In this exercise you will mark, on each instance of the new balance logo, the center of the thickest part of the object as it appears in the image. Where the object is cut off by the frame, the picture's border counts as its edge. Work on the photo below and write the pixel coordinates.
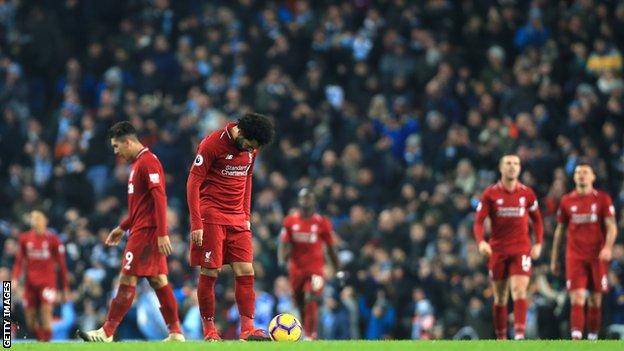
(207, 258)
(229, 157)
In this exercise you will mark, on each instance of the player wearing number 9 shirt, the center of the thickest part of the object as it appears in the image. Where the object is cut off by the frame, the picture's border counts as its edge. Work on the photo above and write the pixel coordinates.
(589, 217)
(218, 193)
(148, 240)
(509, 204)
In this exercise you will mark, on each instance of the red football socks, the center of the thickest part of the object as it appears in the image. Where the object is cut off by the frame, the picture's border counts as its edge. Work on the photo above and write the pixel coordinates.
(310, 318)
(520, 315)
(500, 321)
(594, 317)
(245, 299)
(43, 334)
(119, 307)
(577, 321)
(169, 308)
(206, 301)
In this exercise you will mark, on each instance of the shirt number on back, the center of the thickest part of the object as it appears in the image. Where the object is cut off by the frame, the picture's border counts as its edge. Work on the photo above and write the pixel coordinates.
(526, 263)
(129, 257)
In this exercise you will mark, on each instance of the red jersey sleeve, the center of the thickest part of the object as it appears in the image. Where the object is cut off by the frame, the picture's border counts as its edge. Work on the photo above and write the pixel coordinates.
(328, 232)
(18, 265)
(608, 210)
(248, 186)
(536, 217)
(206, 154)
(482, 212)
(59, 258)
(152, 175)
(562, 215)
(285, 234)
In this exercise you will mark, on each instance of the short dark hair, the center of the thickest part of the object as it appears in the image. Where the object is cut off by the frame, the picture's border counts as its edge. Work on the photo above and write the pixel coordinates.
(254, 126)
(121, 130)
(584, 163)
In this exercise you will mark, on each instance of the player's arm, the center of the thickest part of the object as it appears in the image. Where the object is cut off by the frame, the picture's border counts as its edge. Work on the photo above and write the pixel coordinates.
(156, 187)
(197, 175)
(611, 226)
(560, 231)
(538, 228)
(59, 257)
(284, 247)
(18, 265)
(483, 210)
(247, 198)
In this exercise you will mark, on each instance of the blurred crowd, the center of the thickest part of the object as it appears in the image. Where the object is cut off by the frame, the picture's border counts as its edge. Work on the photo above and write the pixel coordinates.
(394, 112)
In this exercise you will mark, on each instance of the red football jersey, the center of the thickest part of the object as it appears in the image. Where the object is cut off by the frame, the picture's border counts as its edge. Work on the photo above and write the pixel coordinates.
(39, 253)
(147, 200)
(307, 235)
(224, 175)
(584, 216)
(509, 213)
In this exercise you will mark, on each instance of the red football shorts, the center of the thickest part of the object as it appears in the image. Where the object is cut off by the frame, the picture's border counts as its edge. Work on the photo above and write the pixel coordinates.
(303, 283)
(587, 274)
(36, 295)
(222, 244)
(141, 257)
(503, 266)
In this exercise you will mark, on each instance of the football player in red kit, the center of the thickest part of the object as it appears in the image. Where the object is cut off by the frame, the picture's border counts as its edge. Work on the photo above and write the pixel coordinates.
(219, 200)
(589, 217)
(39, 253)
(148, 240)
(301, 243)
(509, 204)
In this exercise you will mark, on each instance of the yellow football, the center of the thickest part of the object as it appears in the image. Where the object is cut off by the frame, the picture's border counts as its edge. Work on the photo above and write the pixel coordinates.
(285, 327)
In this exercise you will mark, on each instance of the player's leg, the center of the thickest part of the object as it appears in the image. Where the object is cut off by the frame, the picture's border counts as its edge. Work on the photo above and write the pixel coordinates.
(500, 287)
(121, 303)
(519, 267)
(238, 253)
(31, 304)
(599, 285)
(46, 306)
(297, 282)
(168, 305)
(519, 285)
(576, 283)
(45, 321)
(209, 257)
(313, 291)
(594, 315)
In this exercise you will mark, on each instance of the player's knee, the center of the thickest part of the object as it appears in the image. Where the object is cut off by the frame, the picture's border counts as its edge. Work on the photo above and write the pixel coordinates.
(595, 300)
(158, 281)
(127, 279)
(577, 297)
(242, 268)
(211, 272)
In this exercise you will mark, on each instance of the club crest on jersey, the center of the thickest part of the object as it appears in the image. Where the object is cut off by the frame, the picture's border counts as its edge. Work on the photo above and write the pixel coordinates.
(522, 201)
(199, 160)
(574, 208)
(314, 228)
(593, 208)
(499, 201)
(207, 257)
(229, 157)
(296, 227)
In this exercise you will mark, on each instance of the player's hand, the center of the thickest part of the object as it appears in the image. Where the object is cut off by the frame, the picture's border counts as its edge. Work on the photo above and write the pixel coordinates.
(164, 245)
(197, 236)
(485, 249)
(114, 237)
(605, 254)
(554, 267)
(536, 251)
(65, 295)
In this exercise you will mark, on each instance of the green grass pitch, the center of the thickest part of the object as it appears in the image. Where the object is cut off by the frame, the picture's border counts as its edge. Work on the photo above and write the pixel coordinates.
(537, 345)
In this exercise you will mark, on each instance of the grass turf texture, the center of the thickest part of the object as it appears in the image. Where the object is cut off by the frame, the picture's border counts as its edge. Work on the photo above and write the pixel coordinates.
(554, 345)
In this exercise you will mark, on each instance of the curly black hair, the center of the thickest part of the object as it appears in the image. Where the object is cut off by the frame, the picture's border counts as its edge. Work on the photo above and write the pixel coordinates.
(254, 126)
(121, 130)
